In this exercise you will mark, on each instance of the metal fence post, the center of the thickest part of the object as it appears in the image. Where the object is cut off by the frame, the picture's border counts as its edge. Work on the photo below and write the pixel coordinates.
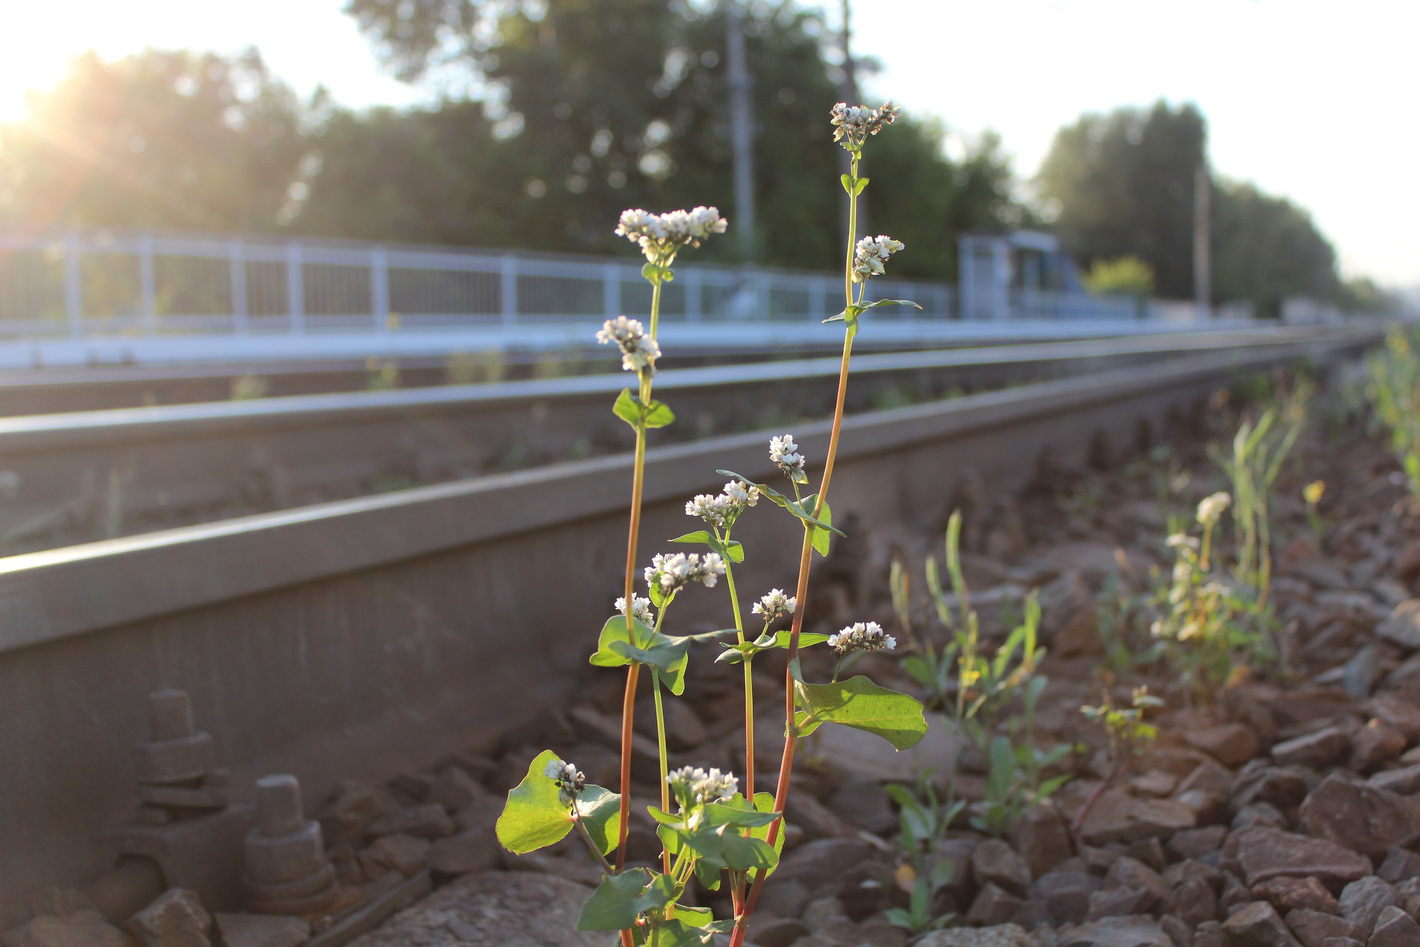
(611, 290)
(380, 288)
(295, 288)
(145, 282)
(509, 287)
(73, 287)
(694, 281)
(237, 264)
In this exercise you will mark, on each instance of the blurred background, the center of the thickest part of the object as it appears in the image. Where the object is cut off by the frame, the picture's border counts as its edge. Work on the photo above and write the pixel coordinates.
(1279, 129)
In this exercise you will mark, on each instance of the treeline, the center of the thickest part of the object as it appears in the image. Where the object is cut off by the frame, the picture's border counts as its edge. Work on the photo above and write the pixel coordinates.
(586, 107)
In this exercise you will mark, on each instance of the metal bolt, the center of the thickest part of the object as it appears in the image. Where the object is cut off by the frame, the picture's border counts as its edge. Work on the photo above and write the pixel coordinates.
(169, 715)
(278, 805)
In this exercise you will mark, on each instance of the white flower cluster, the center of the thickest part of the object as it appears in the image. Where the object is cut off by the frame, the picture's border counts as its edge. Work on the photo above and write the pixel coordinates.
(678, 569)
(695, 787)
(640, 608)
(862, 636)
(775, 603)
(1181, 541)
(871, 254)
(660, 235)
(721, 509)
(638, 350)
(1210, 509)
(569, 780)
(854, 123)
(784, 452)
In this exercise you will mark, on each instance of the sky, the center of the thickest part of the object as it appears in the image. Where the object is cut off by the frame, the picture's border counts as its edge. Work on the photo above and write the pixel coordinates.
(1314, 100)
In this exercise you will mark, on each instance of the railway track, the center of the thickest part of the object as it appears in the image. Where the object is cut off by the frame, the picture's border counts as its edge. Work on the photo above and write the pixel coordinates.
(85, 476)
(369, 636)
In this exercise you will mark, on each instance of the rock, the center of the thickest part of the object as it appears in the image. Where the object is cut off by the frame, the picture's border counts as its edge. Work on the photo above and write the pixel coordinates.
(492, 909)
(1319, 750)
(1374, 744)
(473, 850)
(1403, 781)
(1119, 817)
(816, 819)
(1209, 776)
(262, 930)
(993, 905)
(1193, 843)
(1192, 899)
(402, 853)
(1395, 928)
(1399, 865)
(956, 852)
(1133, 931)
(1281, 786)
(993, 862)
(61, 901)
(1001, 935)
(1130, 874)
(456, 790)
(1179, 932)
(768, 930)
(1313, 927)
(79, 929)
(1286, 893)
(1397, 712)
(1358, 675)
(1208, 934)
(1403, 625)
(1259, 815)
(1257, 925)
(861, 802)
(1042, 838)
(784, 898)
(1208, 808)
(1066, 893)
(1363, 901)
(1150, 851)
(1231, 744)
(864, 754)
(1156, 782)
(821, 912)
(1264, 853)
(1359, 816)
(824, 861)
(356, 804)
(176, 918)
(428, 821)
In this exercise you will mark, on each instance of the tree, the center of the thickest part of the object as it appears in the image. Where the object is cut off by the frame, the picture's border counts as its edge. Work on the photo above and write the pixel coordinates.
(1124, 186)
(159, 139)
(1266, 249)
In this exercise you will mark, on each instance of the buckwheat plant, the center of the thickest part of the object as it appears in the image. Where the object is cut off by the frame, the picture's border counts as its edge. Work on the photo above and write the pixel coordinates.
(714, 827)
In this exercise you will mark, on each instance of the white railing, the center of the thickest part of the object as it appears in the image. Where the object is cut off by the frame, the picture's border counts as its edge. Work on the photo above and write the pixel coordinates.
(100, 283)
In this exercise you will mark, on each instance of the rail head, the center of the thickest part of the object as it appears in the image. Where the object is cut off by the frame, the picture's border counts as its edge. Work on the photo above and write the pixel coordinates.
(59, 593)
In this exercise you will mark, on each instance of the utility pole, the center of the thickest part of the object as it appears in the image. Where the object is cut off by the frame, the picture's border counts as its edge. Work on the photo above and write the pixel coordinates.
(849, 92)
(1202, 280)
(741, 134)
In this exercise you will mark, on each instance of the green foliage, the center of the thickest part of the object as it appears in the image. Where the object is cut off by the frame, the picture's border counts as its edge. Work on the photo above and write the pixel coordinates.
(923, 824)
(1393, 391)
(629, 408)
(535, 817)
(1129, 735)
(863, 705)
(1125, 276)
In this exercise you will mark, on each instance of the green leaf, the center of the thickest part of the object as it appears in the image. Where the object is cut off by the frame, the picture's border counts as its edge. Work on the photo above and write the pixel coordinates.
(600, 812)
(793, 506)
(764, 802)
(825, 516)
(890, 302)
(863, 705)
(737, 811)
(744, 854)
(627, 408)
(858, 188)
(534, 817)
(694, 917)
(677, 933)
(735, 653)
(731, 550)
(615, 631)
(658, 414)
(847, 183)
(620, 899)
